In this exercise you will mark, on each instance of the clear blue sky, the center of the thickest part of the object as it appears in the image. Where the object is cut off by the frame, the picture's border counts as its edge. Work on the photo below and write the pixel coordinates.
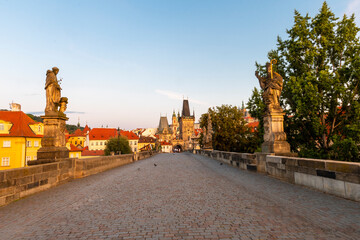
(123, 63)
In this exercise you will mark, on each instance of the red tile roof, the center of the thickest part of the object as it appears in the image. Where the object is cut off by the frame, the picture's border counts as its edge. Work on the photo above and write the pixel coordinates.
(198, 131)
(73, 148)
(86, 129)
(129, 135)
(253, 126)
(92, 153)
(78, 133)
(102, 133)
(21, 124)
(144, 139)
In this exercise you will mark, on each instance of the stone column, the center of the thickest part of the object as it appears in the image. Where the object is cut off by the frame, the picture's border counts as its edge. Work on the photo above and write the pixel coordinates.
(53, 144)
(274, 135)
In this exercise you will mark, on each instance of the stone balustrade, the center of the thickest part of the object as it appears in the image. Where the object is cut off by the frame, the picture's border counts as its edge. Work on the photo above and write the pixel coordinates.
(20, 182)
(333, 177)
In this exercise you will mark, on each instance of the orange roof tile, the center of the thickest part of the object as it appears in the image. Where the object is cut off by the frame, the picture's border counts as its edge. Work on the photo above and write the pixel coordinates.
(86, 129)
(78, 133)
(102, 133)
(129, 135)
(253, 126)
(21, 124)
(73, 148)
(197, 131)
(92, 153)
(144, 139)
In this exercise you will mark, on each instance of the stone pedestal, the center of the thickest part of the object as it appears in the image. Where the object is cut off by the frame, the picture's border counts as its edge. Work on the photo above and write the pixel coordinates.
(53, 144)
(274, 135)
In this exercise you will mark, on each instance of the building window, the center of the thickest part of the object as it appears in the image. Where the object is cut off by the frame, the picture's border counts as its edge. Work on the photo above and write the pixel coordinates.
(80, 142)
(5, 161)
(28, 143)
(36, 143)
(7, 144)
(135, 143)
(96, 143)
(28, 158)
(135, 149)
(77, 155)
(101, 143)
(75, 143)
(35, 157)
(39, 129)
(1, 127)
(92, 144)
(71, 155)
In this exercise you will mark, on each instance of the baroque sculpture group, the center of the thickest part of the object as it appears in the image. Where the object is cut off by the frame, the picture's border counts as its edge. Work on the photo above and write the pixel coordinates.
(53, 144)
(274, 135)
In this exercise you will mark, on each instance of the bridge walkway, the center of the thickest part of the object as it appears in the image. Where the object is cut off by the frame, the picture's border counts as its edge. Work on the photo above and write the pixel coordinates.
(184, 196)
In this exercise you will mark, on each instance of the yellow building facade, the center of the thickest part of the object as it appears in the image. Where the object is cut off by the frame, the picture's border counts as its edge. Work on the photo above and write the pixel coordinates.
(20, 139)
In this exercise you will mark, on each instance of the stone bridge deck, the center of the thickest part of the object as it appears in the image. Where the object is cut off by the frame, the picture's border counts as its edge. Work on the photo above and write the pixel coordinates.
(184, 197)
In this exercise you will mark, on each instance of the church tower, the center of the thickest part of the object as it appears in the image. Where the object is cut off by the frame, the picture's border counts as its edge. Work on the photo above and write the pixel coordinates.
(175, 125)
(186, 124)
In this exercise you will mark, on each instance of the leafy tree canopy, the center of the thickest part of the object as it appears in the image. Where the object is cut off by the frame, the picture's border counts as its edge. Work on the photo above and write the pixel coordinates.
(116, 145)
(230, 130)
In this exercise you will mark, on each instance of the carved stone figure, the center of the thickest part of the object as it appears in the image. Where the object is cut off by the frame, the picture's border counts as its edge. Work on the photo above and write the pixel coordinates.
(272, 86)
(53, 92)
(274, 135)
(53, 143)
(63, 105)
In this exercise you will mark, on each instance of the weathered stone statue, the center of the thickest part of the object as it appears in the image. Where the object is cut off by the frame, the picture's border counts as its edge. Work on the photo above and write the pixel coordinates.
(272, 86)
(53, 92)
(274, 135)
(208, 131)
(53, 144)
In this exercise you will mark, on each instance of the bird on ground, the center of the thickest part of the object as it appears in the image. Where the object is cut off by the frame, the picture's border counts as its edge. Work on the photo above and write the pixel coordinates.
(155, 164)
(221, 163)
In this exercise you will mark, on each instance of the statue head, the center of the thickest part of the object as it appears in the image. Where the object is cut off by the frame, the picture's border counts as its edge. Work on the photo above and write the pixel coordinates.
(268, 68)
(55, 70)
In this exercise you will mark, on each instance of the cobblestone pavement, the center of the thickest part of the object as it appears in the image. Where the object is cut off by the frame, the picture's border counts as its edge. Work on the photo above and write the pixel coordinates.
(184, 197)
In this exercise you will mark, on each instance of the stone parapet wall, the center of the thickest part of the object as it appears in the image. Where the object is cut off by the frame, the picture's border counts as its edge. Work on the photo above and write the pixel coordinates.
(241, 160)
(20, 182)
(334, 177)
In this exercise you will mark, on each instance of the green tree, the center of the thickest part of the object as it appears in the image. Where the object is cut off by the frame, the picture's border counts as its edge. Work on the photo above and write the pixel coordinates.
(320, 64)
(35, 118)
(116, 145)
(230, 130)
(256, 108)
